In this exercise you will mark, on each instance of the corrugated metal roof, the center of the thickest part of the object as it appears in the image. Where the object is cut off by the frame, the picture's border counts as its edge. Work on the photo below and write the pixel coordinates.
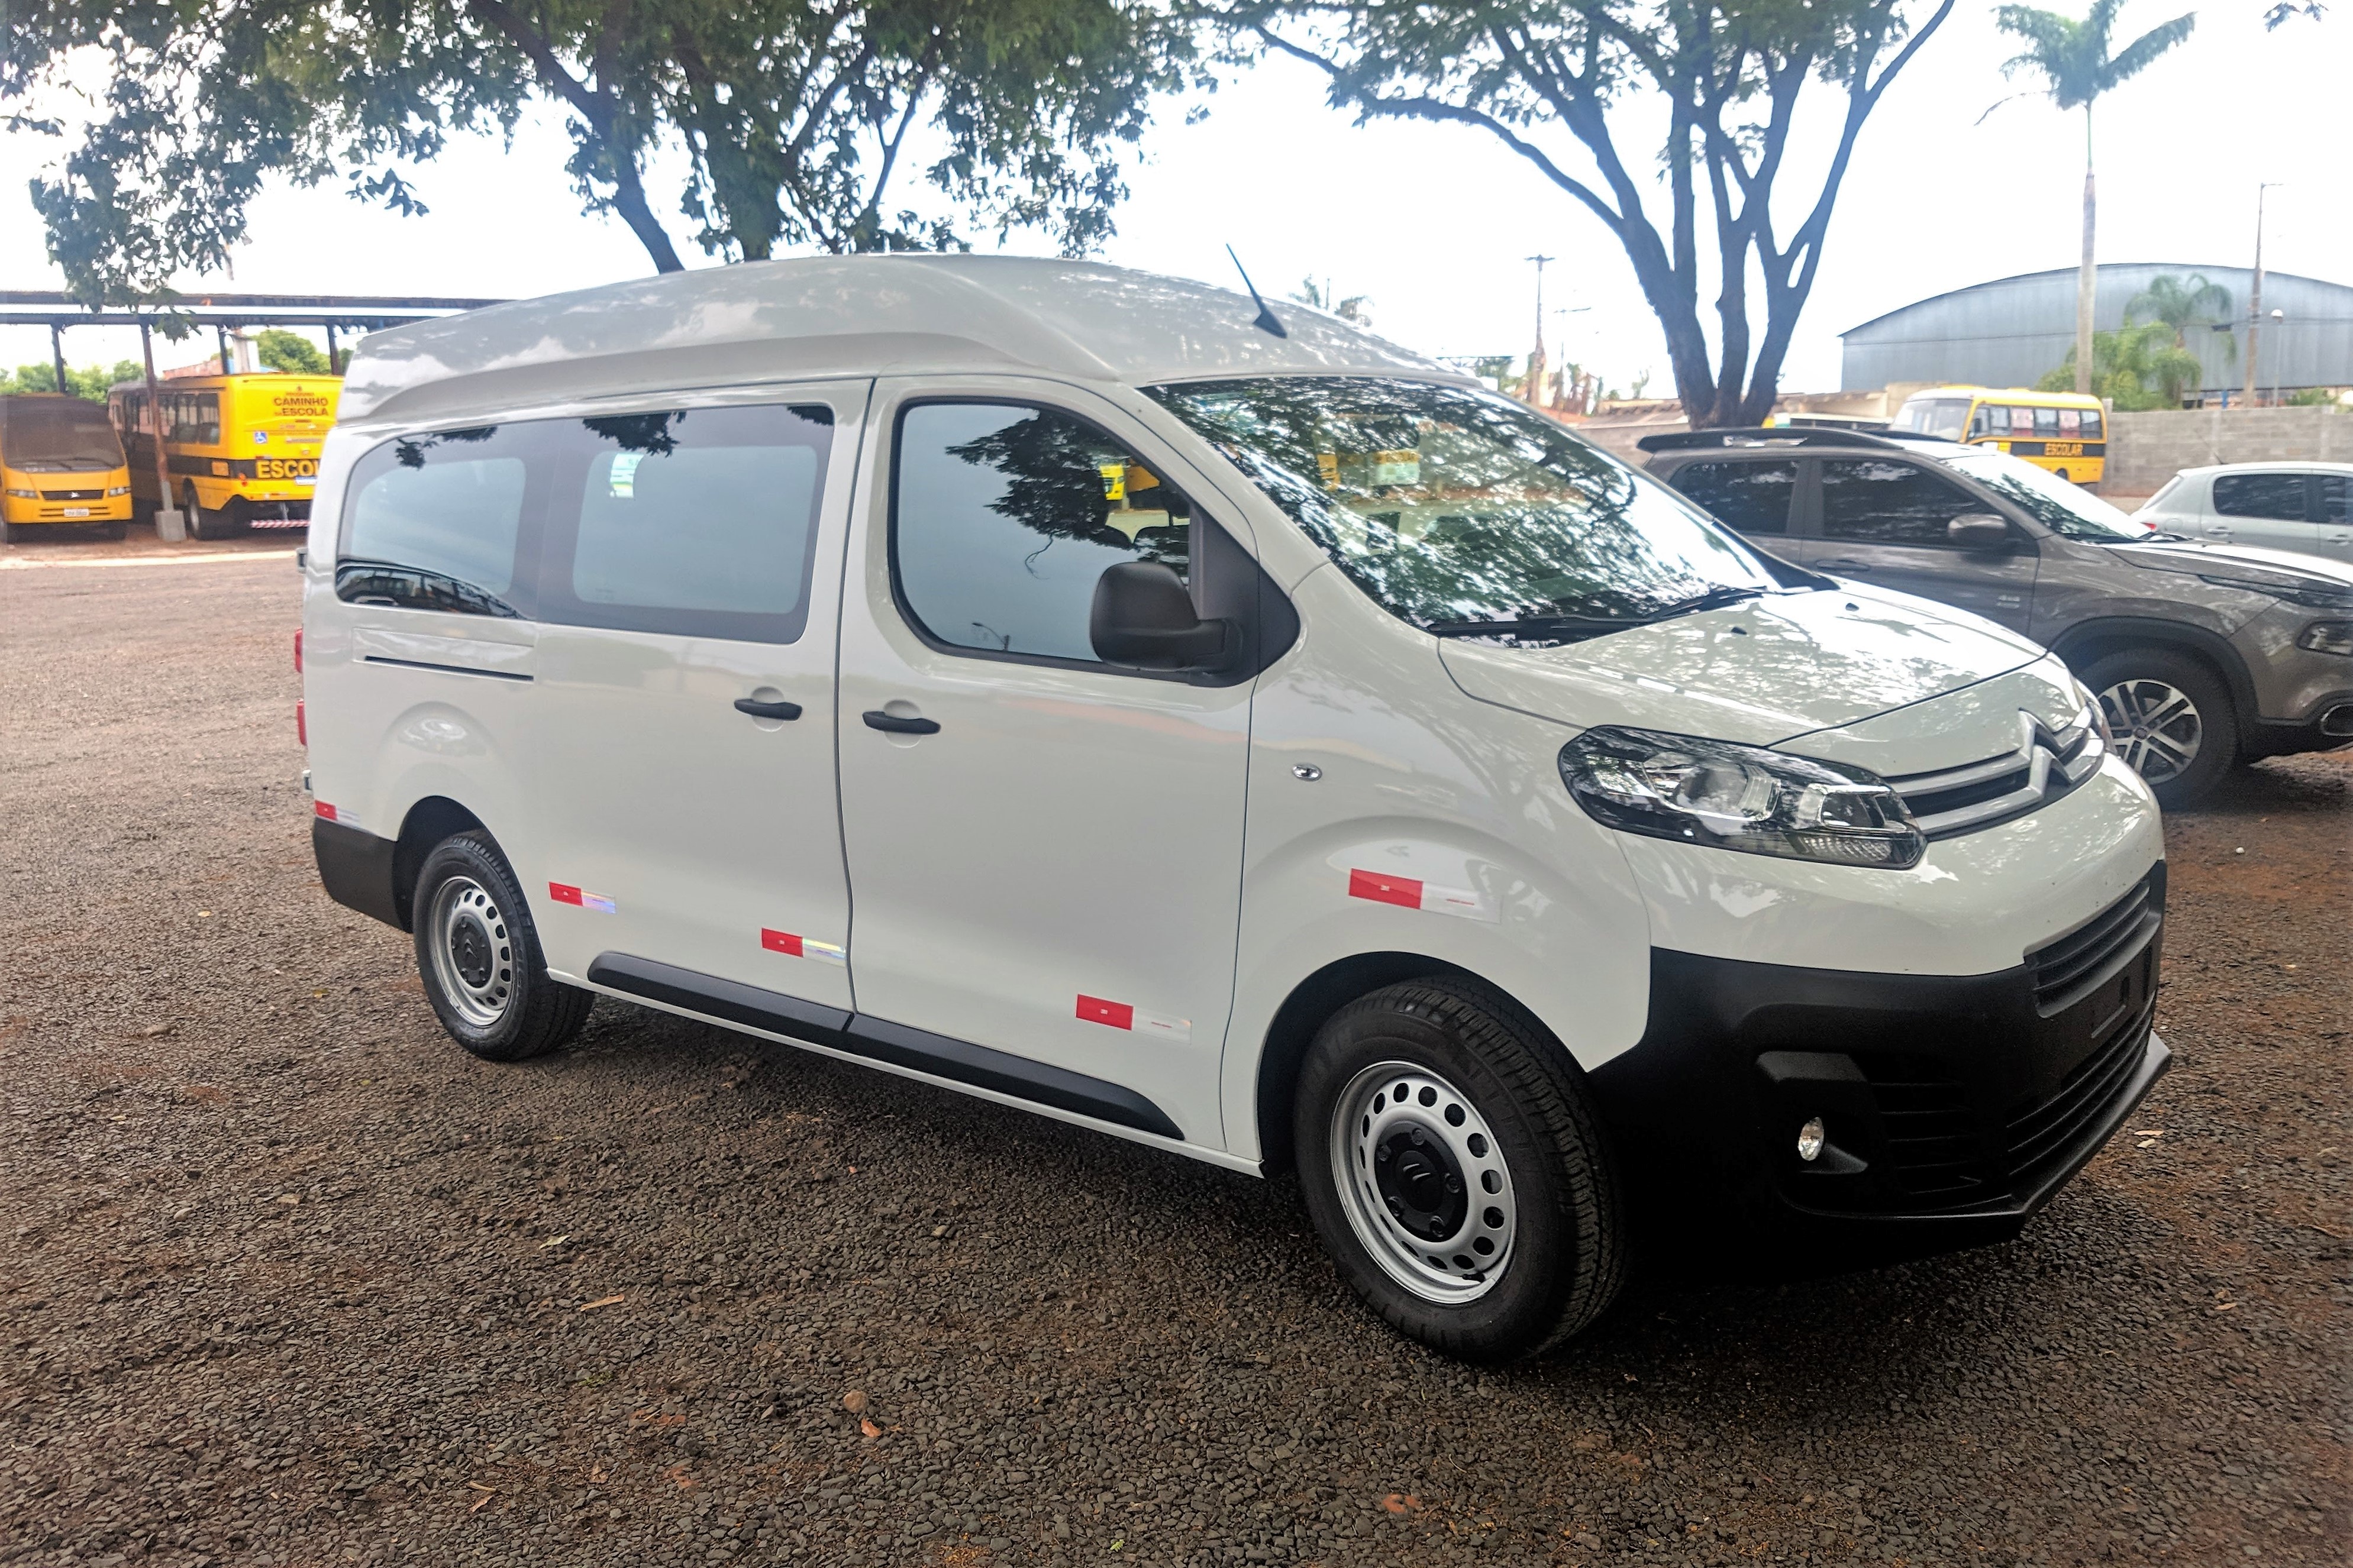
(2009, 332)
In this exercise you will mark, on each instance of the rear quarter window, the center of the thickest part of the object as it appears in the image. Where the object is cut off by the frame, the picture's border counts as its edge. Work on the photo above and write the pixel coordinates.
(435, 522)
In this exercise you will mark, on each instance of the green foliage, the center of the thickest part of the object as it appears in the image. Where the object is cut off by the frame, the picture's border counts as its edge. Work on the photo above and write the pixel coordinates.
(1353, 309)
(2072, 58)
(2312, 397)
(1562, 85)
(2138, 366)
(90, 381)
(792, 114)
(282, 350)
(2186, 307)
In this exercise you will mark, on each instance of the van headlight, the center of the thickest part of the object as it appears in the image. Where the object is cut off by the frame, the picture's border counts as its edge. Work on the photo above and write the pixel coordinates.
(1739, 797)
(118, 489)
(22, 494)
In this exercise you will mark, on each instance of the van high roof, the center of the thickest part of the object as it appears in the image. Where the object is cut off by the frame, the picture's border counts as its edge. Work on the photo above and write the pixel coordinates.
(863, 315)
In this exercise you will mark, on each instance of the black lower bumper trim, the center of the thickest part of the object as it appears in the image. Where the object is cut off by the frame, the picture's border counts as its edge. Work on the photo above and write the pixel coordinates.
(355, 867)
(1952, 1108)
(940, 1056)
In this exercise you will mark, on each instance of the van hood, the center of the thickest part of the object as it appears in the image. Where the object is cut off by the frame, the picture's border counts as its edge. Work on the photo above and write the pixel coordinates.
(1757, 672)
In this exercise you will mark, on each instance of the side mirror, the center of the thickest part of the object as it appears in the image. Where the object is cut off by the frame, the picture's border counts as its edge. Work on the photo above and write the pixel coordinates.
(1143, 618)
(1979, 530)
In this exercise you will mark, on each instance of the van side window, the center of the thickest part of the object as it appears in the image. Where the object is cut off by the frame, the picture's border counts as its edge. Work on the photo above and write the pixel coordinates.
(1874, 502)
(2277, 496)
(1754, 497)
(434, 521)
(695, 522)
(1003, 516)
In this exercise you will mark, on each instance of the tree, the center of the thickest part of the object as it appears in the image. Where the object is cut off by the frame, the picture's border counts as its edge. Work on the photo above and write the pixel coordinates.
(282, 350)
(2185, 307)
(793, 115)
(2076, 66)
(1353, 310)
(2141, 365)
(90, 381)
(1560, 85)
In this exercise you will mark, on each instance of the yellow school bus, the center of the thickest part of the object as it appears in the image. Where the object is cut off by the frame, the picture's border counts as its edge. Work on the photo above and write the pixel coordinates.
(60, 467)
(241, 452)
(2062, 431)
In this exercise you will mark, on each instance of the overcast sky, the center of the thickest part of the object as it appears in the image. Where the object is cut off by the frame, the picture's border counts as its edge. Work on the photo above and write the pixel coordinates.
(1432, 222)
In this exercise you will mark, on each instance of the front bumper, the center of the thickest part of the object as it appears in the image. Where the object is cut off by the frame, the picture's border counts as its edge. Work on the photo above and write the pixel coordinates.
(1954, 1107)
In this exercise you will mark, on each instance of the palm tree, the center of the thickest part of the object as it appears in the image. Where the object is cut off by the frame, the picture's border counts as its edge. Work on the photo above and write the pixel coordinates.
(2076, 66)
(2184, 306)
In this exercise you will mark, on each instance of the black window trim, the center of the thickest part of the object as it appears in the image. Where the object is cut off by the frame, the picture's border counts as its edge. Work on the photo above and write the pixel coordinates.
(914, 623)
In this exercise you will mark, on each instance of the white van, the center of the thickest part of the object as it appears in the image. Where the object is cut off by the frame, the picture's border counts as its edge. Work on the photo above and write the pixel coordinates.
(1036, 678)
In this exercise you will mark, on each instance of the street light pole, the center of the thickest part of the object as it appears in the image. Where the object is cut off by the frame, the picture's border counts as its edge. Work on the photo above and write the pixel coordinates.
(1537, 354)
(2255, 299)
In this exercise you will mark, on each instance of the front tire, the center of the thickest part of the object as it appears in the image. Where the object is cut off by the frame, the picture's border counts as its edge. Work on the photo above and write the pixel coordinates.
(478, 956)
(1453, 1164)
(2173, 720)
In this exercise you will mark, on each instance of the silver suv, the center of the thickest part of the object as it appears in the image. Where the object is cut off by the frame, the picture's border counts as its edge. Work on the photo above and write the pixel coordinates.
(2202, 654)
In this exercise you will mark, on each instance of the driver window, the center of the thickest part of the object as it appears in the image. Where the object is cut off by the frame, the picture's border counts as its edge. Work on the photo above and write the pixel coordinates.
(1004, 515)
(1870, 500)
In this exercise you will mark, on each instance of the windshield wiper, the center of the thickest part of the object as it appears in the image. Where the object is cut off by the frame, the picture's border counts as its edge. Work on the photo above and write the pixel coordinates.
(1715, 598)
(1536, 626)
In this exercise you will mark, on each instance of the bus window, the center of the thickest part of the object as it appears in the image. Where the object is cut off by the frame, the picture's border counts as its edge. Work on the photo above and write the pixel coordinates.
(2091, 425)
(1945, 417)
(57, 435)
(2071, 423)
(2046, 422)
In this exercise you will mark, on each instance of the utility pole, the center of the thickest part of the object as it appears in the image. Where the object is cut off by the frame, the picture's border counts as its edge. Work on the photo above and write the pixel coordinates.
(1537, 354)
(58, 356)
(2255, 299)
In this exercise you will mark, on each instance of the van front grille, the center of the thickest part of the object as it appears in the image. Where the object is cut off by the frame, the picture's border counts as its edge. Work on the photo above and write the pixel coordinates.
(2046, 765)
(2065, 971)
(73, 495)
(2038, 1132)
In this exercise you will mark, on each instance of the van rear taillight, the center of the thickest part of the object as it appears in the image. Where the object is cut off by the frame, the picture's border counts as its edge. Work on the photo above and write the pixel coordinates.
(301, 724)
(298, 650)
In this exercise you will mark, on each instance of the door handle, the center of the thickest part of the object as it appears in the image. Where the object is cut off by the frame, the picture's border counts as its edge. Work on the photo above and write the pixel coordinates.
(892, 724)
(759, 709)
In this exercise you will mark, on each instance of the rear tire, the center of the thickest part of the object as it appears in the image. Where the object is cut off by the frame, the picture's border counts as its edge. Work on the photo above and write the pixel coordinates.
(1478, 1212)
(117, 529)
(478, 956)
(193, 514)
(2173, 719)
(14, 533)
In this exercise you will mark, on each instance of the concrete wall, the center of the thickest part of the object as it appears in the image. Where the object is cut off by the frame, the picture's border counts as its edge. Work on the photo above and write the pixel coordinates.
(2147, 449)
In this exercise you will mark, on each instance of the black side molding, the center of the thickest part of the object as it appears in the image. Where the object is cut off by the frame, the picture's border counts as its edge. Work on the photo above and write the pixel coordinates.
(355, 867)
(706, 994)
(445, 669)
(942, 1056)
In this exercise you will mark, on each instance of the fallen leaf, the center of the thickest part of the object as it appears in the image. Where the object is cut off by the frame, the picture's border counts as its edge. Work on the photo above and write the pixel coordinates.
(289, 1198)
(855, 1401)
(482, 1501)
(553, 1241)
(866, 1425)
(2226, 1306)
(1401, 1502)
(204, 914)
(481, 1487)
(153, 1030)
(602, 1301)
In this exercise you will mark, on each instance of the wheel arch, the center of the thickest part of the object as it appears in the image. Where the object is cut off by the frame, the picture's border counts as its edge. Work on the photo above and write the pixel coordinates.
(1304, 1011)
(428, 823)
(2084, 645)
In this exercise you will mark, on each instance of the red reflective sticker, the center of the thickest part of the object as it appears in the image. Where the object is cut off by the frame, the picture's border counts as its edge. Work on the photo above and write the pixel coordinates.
(323, 809)
(1095, 1010)
(780, 942)
(1405, 891)
(561, 894)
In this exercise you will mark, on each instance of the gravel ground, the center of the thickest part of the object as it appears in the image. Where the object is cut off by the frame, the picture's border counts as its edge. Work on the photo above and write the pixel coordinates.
(287, 1278)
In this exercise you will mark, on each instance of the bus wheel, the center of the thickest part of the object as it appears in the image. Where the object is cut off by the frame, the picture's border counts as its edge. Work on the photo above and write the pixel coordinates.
(117, 529)
(201, 524)
(10, 533)
(2060, 473)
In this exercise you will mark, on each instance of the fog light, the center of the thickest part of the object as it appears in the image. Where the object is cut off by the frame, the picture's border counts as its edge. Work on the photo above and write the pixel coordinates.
(1810, 1139)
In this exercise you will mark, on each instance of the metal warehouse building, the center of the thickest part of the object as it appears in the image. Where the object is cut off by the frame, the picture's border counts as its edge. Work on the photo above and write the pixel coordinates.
(2012, 330)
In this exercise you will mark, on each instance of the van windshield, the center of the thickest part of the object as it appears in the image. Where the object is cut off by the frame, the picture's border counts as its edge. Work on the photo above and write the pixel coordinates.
(1468, 514)
(57, 435)
(1943, 416)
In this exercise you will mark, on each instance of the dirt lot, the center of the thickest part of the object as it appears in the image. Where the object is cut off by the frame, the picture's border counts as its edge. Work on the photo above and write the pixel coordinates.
(286, 1278)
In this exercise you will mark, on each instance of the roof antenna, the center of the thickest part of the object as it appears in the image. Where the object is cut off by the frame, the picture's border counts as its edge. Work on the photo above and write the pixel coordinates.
(1266, 322)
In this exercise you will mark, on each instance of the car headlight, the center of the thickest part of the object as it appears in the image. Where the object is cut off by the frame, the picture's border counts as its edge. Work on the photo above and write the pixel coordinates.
(2328, 637)
(2095, 715)
(23, 494)
(1739, 797)
(112, 490)
(2294, 590)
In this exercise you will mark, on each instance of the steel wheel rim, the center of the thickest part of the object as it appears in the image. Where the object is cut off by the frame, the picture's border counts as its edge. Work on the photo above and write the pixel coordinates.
(1399, 1131)
(2156, 726)
(473, 952)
